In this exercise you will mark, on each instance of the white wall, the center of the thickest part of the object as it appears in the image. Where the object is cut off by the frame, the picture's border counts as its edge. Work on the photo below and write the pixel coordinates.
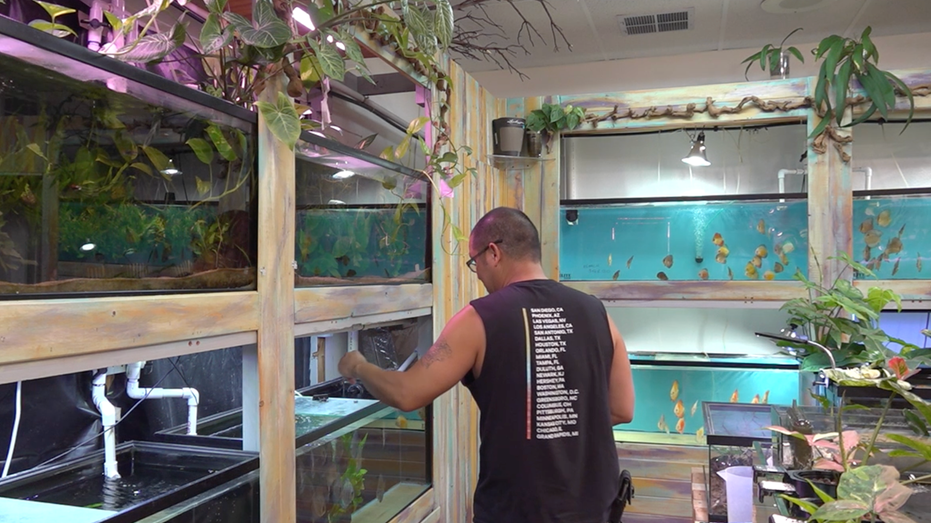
(896, 52)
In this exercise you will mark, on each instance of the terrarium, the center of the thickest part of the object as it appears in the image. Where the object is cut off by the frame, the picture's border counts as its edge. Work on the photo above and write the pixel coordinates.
(115, 180)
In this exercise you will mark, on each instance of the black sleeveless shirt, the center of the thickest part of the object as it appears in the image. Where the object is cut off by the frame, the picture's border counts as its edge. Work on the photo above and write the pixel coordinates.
(547, 450)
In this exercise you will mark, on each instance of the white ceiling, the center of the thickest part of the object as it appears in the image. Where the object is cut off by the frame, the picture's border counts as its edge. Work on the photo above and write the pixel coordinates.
(595, 32)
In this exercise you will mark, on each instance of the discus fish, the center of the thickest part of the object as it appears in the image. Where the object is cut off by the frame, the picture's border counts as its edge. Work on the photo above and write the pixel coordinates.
(750, 271)
(766, 397)
(724, 250)
(734, 396)
(756, 398)
(895, 268)
(769, 275)
(869, 211)
(873, 238)
(784, 259)
(662, 275)
(787, 247)
(674, 390)
(318, 503)
(894, 246)
(401, 421)
(867, 253)
(700, 434)
(761, 227)
(661, 424)
(667, 261)
(778, 267)
(717, 239)
(609, 260)
(777, 248)
(703, 274)
(616, 274)
(757, 261)
(720, 258)
(629, 260)
(680, 425)
(730, 274)
(761, 251)
(884, 218)
(866, 226)
(679, 409)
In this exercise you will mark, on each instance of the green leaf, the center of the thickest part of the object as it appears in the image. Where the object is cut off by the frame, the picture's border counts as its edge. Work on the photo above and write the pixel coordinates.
(884, 85)
(908, 93)
(54, 10)
(840, 95)
(331, 63)
(201, 149)
(57, 30)
(443, 23)
(796, 53)
(142, 167)
(36, 150)
(536, 121)
(267, 30)
(401, 150)
(821, 125)
(416, 21)
(556, 113)
(212, 36)
(216, 6)
(826, 44)
(203, 187)
(115, 23)
(752, 58)
(833, 57)
(842, 510)
(764, 54)
(922, 447)
(353, 51)
(807, 506)
(125, 145)
(282, 119)
(158, 158)
(219, 142)
(915, 423)
(154, 47)
(417, 125)
(572, 120)
(239, 22)
(862, 118)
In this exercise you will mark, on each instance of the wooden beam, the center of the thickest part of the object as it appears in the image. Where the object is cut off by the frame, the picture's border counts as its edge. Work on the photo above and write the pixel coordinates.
(738, 291)
(334, 303)
(44, 330)
(275, 283)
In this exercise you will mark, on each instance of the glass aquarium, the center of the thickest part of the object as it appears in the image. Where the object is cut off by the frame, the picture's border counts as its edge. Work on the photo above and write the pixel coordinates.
(360, 219)
(115, 180)
(890, 231)
(670, 239)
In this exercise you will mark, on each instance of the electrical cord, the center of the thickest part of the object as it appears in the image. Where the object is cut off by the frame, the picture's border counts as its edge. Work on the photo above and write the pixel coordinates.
(16, 417)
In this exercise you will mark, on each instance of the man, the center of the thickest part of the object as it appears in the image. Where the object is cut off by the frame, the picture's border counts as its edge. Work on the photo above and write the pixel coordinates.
(549, 373)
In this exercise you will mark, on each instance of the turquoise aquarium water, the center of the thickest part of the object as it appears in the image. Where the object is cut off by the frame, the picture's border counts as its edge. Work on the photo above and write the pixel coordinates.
(889, 235)
(707, 240)
(669, 396)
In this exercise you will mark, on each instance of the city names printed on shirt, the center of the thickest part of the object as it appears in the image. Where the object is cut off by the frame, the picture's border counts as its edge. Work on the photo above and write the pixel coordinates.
(554, 402)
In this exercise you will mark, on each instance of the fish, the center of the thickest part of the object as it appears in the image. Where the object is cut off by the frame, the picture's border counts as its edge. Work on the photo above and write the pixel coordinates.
(717, 239)
(769, 275)
(894, 246)
(867, 253)
(757, 262)
(734, 396)
(380, 488)
(895, 267)
(700, 435)
(667, 261)
(884, 218)
(694, 408)
(401, 421)
(778, 267)
(662, 275)
(756, 398)
(866, 226)
(765, 397)
(616, 274)
(761, 251)
(679, 409)
(788, 247)
(609, 260)
(784, 259)
(703, 274)
(750, 271)
(918, 262)
(873, 238)
(730, 274)
(318, 503)
(720, 258)
(901, 230)
(724, 250)
(661, 424)
(629, 260)
(674, 390)
(680, 425)
(869, 211)
(777, 248)
(345, 497)
(761, 226)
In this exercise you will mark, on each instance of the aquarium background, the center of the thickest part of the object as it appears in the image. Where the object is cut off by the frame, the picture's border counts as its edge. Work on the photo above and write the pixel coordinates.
(684, 241)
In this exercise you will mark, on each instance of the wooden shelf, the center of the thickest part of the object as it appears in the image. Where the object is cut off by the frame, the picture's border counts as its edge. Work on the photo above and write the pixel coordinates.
(516, 162)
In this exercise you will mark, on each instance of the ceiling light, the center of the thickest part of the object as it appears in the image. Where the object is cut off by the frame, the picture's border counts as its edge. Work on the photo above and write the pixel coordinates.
(696, 156)
(303, 18)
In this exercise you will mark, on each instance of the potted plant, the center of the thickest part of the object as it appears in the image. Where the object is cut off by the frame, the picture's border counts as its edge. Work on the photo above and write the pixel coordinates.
(550, 119)
(776, 58)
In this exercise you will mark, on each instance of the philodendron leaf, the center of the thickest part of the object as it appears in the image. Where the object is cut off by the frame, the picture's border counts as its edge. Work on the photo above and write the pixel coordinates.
(57, 30)
(212, 36)
(864, 484)
(267, 29)
(842, 510)
(54, 10)
(331, 62)
(443, 23)
(201, 149)
(153, 47)
(282, 119)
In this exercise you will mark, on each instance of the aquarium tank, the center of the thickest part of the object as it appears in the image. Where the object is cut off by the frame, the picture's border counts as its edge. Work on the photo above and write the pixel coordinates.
(114, 180)
(360, 219)
(667, 239)
(889, 233)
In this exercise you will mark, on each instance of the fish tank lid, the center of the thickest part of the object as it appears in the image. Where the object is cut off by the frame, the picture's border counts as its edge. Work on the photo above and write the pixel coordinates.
(677, 200)
(38, 48)
(738, 424)
(702, 359)
(316, 148)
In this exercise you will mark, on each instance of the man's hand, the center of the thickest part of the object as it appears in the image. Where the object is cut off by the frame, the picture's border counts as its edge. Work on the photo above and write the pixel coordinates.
(349, 363)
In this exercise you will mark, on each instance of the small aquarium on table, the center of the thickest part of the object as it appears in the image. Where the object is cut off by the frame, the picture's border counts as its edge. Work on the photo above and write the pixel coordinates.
(681, 239)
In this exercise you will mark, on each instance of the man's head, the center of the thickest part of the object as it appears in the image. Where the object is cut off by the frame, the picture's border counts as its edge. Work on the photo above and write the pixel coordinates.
(503, 245)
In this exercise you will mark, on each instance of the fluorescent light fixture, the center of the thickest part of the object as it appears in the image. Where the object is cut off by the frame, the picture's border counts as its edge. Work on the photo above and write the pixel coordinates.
(303, 18)
(170, 170)
(88, 246)
(336, 202)
(342, 175)
(696, 156)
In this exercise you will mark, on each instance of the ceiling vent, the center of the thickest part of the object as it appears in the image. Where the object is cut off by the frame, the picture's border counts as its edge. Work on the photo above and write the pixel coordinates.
(657, 23)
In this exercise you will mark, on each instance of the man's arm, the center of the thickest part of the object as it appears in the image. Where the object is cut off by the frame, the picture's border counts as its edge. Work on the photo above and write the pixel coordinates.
(621, 388)
(445, 363)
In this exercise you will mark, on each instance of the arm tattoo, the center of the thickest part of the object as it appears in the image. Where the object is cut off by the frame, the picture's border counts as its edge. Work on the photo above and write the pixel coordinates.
(438, 352)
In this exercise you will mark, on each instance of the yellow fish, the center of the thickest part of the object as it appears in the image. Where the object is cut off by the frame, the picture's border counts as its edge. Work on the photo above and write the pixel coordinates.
(866, 226)
(766, 397)
(756, 398)
(869, 211)
(674, 390)
(734, 396)
(720, 258)
(667, 261)
(401, 421)
(777, 248)
(750, 271)
(661, 424)
(662, 275)
(761, 251)
(700, 435)
(679, 409)
(629, 260)
(717, 239)
(680, 425)
(724, 250)
(778, 267)
(784, 259)
(703, 274)
(609, 260)
(787, 247)
(867, 253)
(757, 261)
(694, 408)
(895, 268)
(884, 218)
(769, 275)
(761, 227)
(873, 238)
(616, 274)
(730, 274)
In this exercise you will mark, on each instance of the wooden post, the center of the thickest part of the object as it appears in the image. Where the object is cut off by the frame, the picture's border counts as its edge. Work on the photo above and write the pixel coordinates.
(275, 284)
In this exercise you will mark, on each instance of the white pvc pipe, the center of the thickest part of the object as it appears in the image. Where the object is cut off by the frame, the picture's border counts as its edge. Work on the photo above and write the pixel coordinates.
(867, 178)
(782, 179)
(108, 416)
(133, 390)
(16, 417)
(95, 35)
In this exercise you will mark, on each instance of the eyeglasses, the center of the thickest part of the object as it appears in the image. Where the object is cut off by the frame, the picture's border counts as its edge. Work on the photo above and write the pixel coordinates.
(470, 263)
